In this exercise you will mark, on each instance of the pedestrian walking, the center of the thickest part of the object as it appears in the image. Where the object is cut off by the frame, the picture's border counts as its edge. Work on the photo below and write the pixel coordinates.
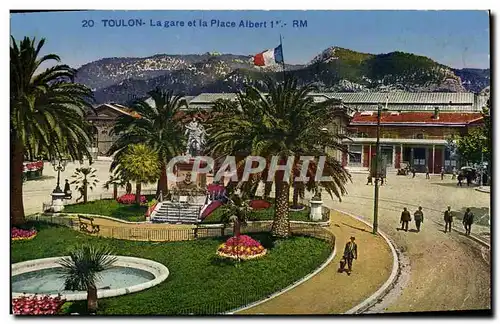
(454, 174)
(419, 218)
(414, 172)
(405, 219)
(468, 221)
(448, 219)
(67, 189)
(369, 180)
(381, 180)
(442, 173)
(427, 176)
(350, 253)
(459, 178)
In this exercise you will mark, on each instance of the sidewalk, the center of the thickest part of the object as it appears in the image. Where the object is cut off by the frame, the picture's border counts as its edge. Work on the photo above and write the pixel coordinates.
(330, 292)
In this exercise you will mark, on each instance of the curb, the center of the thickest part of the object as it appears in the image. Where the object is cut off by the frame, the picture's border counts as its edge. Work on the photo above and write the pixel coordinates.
(387, 286)
(284, 290)
(480, 189)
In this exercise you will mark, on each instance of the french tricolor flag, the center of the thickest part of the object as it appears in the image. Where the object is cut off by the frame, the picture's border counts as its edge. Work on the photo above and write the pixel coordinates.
(269, 57)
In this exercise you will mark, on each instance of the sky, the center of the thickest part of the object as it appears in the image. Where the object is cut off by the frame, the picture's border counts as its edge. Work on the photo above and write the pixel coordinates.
(459, 39)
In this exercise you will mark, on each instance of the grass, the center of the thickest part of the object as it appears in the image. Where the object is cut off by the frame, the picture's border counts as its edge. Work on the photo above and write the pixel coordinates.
(134, 213)
(198, 280)
(259, 215)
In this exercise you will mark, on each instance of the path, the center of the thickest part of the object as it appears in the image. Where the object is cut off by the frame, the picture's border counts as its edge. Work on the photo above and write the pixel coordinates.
(330, 292)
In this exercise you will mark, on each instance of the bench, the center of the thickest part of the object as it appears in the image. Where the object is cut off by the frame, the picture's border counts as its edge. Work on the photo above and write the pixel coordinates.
(85, 222)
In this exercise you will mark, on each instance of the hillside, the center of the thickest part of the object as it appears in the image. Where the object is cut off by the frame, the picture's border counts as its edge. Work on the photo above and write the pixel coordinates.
(334, 69)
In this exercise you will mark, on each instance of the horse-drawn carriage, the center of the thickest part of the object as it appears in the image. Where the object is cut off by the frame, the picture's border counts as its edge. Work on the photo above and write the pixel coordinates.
(404, 168)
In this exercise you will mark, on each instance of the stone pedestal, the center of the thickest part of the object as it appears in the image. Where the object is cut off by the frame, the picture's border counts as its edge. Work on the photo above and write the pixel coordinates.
(316, 210)
(58, 201)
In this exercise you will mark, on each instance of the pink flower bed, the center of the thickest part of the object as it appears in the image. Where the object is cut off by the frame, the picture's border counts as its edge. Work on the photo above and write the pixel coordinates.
(18, 234)
(32, 166)
(129, 199)
(36, 305)
(243, 247)
(260, 204)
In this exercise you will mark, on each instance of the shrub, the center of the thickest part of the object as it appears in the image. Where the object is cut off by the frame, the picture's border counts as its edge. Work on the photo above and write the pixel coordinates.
(129, 199)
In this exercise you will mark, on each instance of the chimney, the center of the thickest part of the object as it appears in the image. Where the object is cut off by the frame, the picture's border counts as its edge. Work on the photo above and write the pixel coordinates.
(436, 112)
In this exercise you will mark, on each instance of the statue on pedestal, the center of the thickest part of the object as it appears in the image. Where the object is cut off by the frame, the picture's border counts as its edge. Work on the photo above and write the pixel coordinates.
(196, 138)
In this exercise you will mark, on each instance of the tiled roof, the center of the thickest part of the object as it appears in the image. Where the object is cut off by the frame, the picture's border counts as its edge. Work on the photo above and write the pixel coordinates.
(404, 97)
(409, 107)
(416, 117)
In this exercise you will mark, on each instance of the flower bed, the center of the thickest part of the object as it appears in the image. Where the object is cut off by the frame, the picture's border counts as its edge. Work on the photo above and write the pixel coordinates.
(260, 204)
(129, 199)
(36, 305)
(242, 247)
(18, 234)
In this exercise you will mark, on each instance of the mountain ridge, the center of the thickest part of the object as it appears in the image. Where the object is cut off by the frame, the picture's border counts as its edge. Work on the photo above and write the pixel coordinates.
(335, 69)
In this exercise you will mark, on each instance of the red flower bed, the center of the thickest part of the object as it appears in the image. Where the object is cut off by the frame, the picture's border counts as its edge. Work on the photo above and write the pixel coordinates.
(260, 204)
(36, 305)
(18, 234)
(32, 166)
(129, 199)
(243, 247)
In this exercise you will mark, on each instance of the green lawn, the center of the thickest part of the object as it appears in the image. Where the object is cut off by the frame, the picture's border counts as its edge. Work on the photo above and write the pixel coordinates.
(257, 215)
(134, 213)
(109, 207)
(198, 280)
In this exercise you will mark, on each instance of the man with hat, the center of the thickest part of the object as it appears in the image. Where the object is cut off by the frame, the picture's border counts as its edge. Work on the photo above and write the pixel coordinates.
(448, 219)
(350, 253)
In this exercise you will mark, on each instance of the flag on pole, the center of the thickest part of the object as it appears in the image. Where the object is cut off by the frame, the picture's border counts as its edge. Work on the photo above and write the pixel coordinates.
(269, 57)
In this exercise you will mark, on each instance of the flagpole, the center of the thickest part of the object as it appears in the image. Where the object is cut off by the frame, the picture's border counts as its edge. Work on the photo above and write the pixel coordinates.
(283, 57)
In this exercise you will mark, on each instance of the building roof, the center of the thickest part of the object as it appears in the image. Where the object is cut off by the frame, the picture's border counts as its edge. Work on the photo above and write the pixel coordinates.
(420, 118)
(430, 98)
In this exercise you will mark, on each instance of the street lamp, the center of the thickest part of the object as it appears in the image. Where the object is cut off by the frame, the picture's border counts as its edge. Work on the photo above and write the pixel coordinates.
(324, 130)
(377, 162)
(59, 165)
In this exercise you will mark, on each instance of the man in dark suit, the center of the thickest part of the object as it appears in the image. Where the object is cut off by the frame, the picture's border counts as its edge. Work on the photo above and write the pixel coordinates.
(350, 253)
(405, 219)
(468, 221)
(448, 219)
(419, 217)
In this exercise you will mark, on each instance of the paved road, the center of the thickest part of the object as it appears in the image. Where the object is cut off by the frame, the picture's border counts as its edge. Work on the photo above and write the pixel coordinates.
(446, 271)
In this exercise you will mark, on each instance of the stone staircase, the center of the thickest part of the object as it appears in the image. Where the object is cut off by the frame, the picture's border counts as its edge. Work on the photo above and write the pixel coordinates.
(168, 212)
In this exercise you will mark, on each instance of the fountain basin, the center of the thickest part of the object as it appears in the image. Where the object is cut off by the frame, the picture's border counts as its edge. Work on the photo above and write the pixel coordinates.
(129, 274)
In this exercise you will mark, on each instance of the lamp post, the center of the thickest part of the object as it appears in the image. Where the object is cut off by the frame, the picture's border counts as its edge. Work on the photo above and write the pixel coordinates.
(377, 163)
(59, 165)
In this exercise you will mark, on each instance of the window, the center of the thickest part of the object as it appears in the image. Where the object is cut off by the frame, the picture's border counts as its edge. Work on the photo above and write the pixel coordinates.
(355, 154)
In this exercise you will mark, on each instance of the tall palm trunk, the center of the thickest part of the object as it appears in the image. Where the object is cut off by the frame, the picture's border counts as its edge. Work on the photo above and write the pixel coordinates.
(295, 199)
(92, 299)
(115, 191)
(138, 193)
(85, 194)
(163, 181)
(268, 186)
(16, 183)
(281, 223)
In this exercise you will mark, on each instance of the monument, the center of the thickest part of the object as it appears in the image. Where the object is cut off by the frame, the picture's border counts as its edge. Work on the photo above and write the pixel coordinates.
(196, 141)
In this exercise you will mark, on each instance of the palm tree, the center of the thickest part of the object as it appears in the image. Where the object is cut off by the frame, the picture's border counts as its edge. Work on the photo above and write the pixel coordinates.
(81, 271)
(285, 122)
(141, 164)
(85, 179)
(46, 114)
(236, 211)
(159, 126)
(115, 180)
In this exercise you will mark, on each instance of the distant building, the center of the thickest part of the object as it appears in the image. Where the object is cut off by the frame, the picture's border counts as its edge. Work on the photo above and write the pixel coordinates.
(417, 138)
(409, 132)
